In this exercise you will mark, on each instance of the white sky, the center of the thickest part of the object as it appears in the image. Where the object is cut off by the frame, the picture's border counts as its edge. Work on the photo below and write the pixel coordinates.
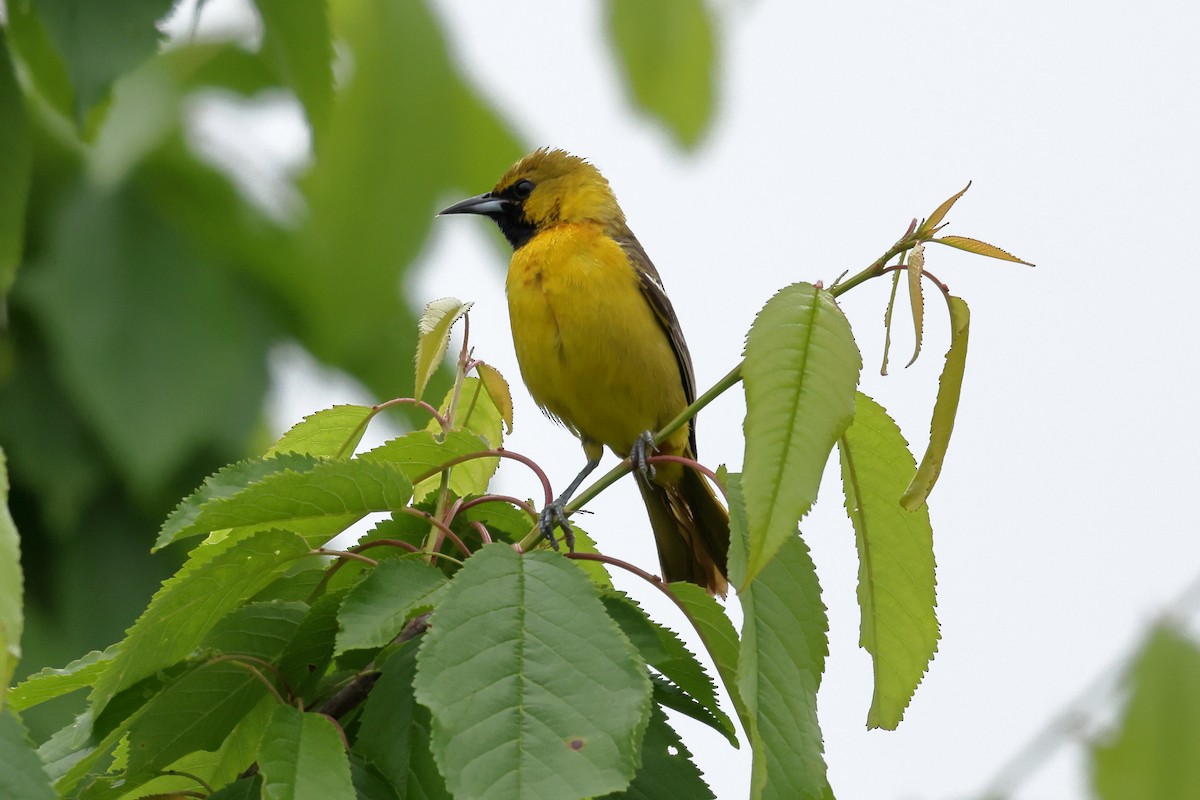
(1061, 520)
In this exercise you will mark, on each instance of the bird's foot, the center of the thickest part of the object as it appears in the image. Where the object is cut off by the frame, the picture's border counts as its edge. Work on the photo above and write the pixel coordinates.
(553, 516)
(643, 445)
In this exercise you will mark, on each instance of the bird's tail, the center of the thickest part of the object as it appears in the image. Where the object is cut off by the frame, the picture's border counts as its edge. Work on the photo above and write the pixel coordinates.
(691, 529)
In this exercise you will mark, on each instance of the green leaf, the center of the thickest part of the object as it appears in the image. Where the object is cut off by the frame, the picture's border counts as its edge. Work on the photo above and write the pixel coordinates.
(329, 492)
(302, 758)
(668, 772)
(916, 263)
(332, 432)
(244, 789)
(12, 586)
(498, 390)
(534, 691)
(717, 634)
(667, 51)
(780, 663)
(664, 651)
(50, 683)
(800, 373)
(1153, 753)
(979, 248)
(944, 408)
(161, 350)
(376, 609)
(31, 42)
(420, 453)
(941, 211)
(887, 323)
(101, 41)
(297, 42)
(216, 579)
(473, 411)
(22, 775)
(309, 652)
(433, 337)
(896, 585)
(16, 162)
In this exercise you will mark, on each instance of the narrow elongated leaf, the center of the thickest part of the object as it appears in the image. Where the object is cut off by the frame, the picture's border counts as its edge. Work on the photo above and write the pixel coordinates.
(1153, 753)
(887, 323)
(298, 43)
(800, 373)
(302, 758)
(916, 263)
(668, 772)
(333, 432)
(433, 337)
(22, 775)
(216, 579)
(896, 584)
(668, 51)
(780, 664)
(497, 389)
(941, 211)
(331, 491)
(51, 683)
(719, 637)
(979, 248)
(15, 168)
(12, 586)
(945, 408)
(534, 691)
(376, 609)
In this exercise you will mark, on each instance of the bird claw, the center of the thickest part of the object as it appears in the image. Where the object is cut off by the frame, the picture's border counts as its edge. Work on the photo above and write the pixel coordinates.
(553, 516)
(644, 443)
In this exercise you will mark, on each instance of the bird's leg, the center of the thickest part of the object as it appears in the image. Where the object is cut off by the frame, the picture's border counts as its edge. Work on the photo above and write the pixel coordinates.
(643, 445)
(555, 514)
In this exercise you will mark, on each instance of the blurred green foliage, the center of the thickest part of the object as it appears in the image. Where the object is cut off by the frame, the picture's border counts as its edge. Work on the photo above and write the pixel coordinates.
(142, 289)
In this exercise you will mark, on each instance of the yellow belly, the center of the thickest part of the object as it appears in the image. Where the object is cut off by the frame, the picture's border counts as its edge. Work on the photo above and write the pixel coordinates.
(590, 348)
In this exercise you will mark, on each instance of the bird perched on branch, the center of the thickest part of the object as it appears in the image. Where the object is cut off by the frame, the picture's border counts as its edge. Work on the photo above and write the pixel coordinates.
(601, 350)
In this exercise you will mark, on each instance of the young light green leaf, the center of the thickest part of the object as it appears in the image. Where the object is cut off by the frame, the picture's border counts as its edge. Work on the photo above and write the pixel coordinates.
(15, 166)
(23, 775)
(376, 609)
(800, 373)
(326, 496)
(667, 51)
(944, 408)
(497, 389)
(887, 322)
(420, 453)
(780, 663)
(12, 584)
(332, 432)
(216, 579)
(916, 263)
(533, 689)
(434, 337)
(1153, 752)
(302, 758)
(667, 772)
(979, 248)
(50, 683)
(896, 584)
(940, 212)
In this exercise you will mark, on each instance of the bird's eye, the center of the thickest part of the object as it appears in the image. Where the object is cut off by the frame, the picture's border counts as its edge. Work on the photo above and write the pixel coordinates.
(523, 188)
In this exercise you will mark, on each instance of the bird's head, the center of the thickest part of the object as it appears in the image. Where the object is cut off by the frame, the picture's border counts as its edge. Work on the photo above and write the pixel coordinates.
(544, 189)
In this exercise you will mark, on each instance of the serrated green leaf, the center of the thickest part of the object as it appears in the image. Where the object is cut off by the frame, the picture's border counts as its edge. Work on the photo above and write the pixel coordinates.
(780, 663)
(887, 323)
(668, 695)
(433, 337)
(22, 775)
(12, 588)
(297, 42)
(534, 691)
(419, 453)
(376, 609)
(717, 634)
(979, 248)
(497, 389)
(664, 651)
(101, 42)
(667, 772)
(16, 164)
(896, 583)
(243, 789)
(216, 579)
(50, 683)
(302, 758)
(800, 373)
(668, 54)
(916, 297)
(941, 211)
(332, 432)
(327, 492)
(308, 654)
(945, 408)
(474, 412)
(1153, 752)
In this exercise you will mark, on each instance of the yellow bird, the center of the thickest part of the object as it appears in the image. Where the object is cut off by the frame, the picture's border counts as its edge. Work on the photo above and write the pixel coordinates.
(600, 347)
